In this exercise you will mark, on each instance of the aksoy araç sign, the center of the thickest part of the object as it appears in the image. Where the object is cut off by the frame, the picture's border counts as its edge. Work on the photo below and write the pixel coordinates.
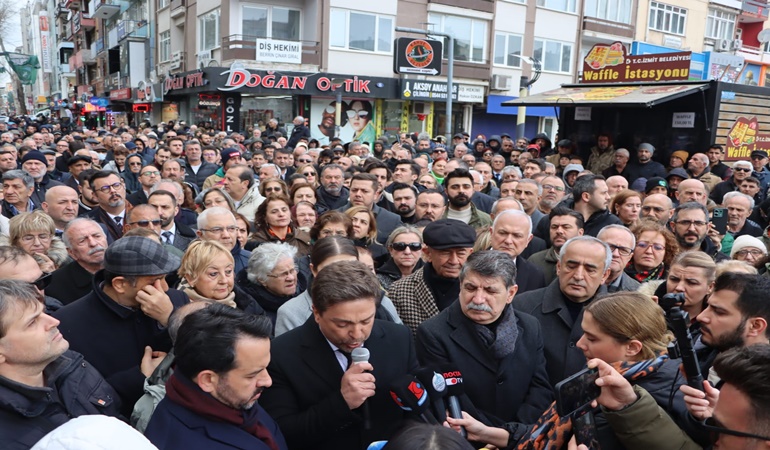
(610, 63)
(743, 138)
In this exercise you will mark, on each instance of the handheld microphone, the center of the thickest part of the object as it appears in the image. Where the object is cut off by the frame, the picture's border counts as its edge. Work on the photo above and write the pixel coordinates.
(434, 383)
(410, 395)
(454, 384)
(361, 355)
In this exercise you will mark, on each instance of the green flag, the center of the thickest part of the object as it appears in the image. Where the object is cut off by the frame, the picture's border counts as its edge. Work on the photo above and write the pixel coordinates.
(25, 66)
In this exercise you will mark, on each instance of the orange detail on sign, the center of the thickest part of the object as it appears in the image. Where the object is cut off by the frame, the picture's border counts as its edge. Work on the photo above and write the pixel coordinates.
(743, 138)
(610, 63)
(419, 53)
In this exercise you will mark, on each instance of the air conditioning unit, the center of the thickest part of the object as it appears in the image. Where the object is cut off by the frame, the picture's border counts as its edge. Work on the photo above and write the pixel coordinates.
(736, 44)
(501, 82)
(722, 45)
(177, 59)
(204, 58)
(420, 108)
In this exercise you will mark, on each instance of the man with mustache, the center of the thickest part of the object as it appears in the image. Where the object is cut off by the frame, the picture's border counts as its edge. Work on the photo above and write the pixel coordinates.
(318, 397)
(565, 224)
(110, 192)
(332, 194)
(498, 350)
(221, 356)
(583, 267)
(86, 242)
(44, 385)
(690, 224)
(458, 185)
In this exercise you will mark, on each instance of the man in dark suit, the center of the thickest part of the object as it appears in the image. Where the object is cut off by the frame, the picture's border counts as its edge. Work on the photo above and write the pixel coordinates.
(110, 192)
(582, 269)
(364, 190)
(149, 176)
(505, 203)
(510, 233)
(317, 395)
(86, 243)
(499, 351)
(172, 232)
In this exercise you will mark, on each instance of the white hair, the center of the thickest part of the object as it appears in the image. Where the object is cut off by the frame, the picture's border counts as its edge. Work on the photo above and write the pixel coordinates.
(264, 259)
(203, 218)
(514, 212)
(736, 194)
(607, 251)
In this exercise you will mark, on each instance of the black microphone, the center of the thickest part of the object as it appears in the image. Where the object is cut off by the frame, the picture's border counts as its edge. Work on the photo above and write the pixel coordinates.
(361, 355)
(454, 385)
(435, 384)
(410, 395)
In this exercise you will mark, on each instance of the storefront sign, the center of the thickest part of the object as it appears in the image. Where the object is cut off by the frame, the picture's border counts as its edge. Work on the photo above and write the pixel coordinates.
(583, 113)
(120, 94)
(437, 91)
(231, 115)
(420, 56)
(274, 50)
(610, 63)
(744, 137)
(683, 120)
(145, 92)
(191, 80)
(238, 78)
(45, 43)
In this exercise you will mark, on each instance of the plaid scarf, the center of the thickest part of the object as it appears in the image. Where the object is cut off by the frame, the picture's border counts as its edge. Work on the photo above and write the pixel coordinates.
(642, 276)
(552, 432)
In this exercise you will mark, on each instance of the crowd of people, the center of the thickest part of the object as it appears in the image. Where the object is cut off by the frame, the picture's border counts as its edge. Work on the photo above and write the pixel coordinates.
(215, 290)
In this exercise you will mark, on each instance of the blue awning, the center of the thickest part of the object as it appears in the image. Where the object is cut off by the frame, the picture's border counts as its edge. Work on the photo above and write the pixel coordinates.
(494, 107)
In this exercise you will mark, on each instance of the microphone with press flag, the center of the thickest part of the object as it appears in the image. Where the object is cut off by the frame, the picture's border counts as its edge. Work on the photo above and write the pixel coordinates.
(410, 395)
(454, 385)
(361, 355)
(434, 383)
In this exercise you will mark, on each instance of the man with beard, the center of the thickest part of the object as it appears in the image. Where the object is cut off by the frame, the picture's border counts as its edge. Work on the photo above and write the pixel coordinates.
(553, 193)
(221, 356)
(658, 207)
(172, 232)
(565, 224)
(645, 167)
(458, 186)
(690, 224)
(741, 171)
(319, 398)
(430, 205)
(332, 194)
(110, 193)
(601, 154)
(405, 202)
(86, 242)
(737, 315)
(35, 164)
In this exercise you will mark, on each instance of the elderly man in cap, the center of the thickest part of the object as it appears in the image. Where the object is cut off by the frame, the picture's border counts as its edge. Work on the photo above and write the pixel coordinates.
(76, 165)
(230, 157)
(435, 286)
(761, 172)
(120, 327)
(35, 164)
(741, 171)
(645, 167)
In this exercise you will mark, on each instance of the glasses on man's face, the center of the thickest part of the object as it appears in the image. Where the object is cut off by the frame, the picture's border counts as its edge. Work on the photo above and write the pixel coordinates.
(550, 187)
(273, 189)
(305, 161)
(622, 251)
(645, 245)
(146, 223)
(715, 429)
(402, 246)
(439, 150)
(689, 223)
(741, 169)
(150, 173)
(284, 274)
(219, 230)
(352, 113)
(30, 238)
(114, 186)
(756, 253)
(330, 109)
(42, 282)
(135, 164)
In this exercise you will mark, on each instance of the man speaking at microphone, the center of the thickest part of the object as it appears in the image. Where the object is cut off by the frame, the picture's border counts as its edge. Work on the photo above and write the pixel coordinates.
(317, 396)
(497, 351)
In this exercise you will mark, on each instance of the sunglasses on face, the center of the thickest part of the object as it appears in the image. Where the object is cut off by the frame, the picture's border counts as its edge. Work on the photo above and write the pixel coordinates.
(741, 169)
(352, 113)
(309, 174)
(330, 109)
(401, 246)
(42, 282)
(146, 223)
(273, 189)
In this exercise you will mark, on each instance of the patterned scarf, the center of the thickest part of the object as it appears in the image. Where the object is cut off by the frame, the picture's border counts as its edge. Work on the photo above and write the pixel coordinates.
(645, 275)
(502, 340)
(552, 432)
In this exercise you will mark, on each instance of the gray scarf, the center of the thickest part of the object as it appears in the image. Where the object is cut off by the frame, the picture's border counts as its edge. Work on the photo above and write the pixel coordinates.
(502, 340)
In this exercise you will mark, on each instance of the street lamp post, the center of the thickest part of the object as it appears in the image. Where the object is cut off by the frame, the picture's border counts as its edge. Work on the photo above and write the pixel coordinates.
(336, 85)
(449, 72)
(524, 84)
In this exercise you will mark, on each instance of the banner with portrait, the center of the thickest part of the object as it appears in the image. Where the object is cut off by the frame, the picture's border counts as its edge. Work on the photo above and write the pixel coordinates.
(357, 120)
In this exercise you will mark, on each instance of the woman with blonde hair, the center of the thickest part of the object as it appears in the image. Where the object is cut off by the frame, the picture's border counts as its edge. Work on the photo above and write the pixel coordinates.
(207, 273)
(656, 247)
(626, 205)
(365, 232)
(35, 233)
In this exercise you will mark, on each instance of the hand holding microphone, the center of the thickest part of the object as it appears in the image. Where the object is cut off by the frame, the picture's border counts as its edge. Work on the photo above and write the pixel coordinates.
(454, 385)
(360, 357)
(357, 383)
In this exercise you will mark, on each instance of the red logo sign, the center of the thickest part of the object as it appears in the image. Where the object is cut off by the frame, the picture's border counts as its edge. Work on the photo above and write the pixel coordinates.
(419, 53)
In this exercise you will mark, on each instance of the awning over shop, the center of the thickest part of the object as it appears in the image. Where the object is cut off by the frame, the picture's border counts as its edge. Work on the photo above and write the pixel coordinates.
(609, 95)
(495, 106)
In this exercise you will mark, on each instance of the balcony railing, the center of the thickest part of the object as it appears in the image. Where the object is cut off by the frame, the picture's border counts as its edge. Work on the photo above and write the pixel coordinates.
(756, 9)
(608, 27)
(240, 46)
(106, 9)
(178, 8)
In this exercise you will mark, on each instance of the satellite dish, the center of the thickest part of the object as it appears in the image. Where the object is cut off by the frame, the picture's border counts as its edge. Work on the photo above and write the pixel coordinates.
(764, 36)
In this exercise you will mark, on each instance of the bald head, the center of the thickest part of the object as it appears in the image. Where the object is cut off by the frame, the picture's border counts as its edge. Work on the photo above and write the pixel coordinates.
(658, 207)
(616, 183)
(692, 190)
(61, 203)
(505, 204)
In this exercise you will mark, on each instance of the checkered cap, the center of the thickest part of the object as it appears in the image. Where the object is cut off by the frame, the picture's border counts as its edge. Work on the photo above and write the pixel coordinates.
(137, 256)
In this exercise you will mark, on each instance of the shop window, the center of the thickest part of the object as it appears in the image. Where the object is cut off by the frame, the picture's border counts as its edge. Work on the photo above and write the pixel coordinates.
(555, 56)
(209, 31)
(271, 22)
(720, 24)
(667, 18)
(611, 10)
(548, 126)
(164, 46)
(558, 5)
(470, 35)
(508, 49)
(354, 30)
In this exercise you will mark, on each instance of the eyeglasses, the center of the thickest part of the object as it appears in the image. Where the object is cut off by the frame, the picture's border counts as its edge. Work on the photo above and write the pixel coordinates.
(107, 188)
(29, 238)
(309, 174)
(352, 113)
(273, 189)
(220, 230)
(689, 223)
(645, 245)
(715, 430)
(330, 109)
(741, 169)
(146, 223)
(550, 187)
(42, 282)
(150, 173)
(487, 153)
(622, 251)
(402, 246)
(285, 274)
(135, 164)
(755, 253)
(305, 161)
(439, 150)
